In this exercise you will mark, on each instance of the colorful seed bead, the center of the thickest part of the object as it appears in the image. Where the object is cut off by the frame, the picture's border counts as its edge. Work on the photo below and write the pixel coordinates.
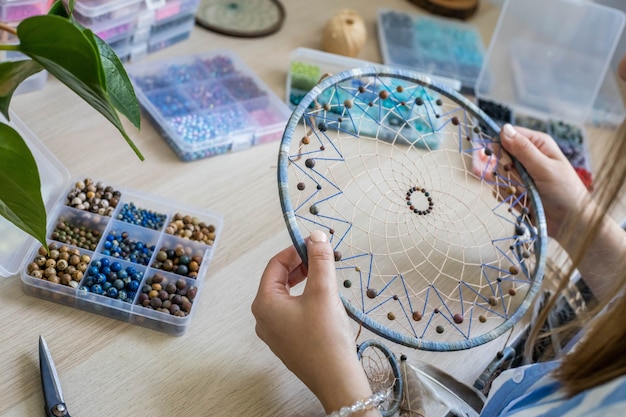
(191, 228)
(130, 213)
(121, 245)
(108, 277)
(171, 296)
(62, 265)
(219, 66)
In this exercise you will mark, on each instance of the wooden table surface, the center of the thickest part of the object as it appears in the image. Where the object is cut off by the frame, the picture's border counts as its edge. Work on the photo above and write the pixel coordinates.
(218, 367)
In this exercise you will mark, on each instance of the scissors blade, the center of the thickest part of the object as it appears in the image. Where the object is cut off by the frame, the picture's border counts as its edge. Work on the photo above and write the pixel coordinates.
(53, 396)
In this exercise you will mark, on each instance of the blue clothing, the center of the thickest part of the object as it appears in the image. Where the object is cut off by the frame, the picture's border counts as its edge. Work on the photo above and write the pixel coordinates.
(531, 391)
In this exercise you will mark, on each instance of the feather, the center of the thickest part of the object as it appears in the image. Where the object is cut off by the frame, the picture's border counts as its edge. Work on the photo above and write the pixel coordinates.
(439, 388)
(412, 397)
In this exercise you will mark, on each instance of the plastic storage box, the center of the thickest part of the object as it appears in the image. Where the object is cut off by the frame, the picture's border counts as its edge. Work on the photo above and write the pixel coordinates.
(208, 104)
(14, 11)
(431, 45)
(306, 67)
(117, 283)
(545, 66)
(134, 28)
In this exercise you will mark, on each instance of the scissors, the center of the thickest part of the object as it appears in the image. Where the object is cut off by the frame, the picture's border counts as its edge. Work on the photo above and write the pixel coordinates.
(55, 405)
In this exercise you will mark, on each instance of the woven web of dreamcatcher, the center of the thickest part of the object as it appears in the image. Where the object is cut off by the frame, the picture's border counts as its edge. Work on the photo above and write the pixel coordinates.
(439, 236)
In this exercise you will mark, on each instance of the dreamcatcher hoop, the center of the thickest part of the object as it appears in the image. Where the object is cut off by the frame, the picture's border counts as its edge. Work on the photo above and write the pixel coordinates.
(439, 243)
(383, 372)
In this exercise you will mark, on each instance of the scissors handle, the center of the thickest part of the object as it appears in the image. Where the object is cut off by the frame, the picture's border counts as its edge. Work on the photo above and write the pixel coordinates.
(57, 410)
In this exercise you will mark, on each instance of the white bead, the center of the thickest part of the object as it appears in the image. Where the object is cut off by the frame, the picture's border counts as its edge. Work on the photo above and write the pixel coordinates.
(345, 412)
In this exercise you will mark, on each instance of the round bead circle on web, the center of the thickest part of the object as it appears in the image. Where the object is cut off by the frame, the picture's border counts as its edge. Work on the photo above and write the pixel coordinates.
(439, 235)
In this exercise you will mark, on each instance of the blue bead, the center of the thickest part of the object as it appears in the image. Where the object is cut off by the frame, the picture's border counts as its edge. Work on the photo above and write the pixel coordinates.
(107, 244)
(116, 267)
(133, 285)
(131, 270)
(122, 274)
(96, 263)
(96, 289)
(100, 278)
(112, 292)
(105, 262)
(106, 285)
(119, 284)
(130, 296)
(93, 270)
(105, 269)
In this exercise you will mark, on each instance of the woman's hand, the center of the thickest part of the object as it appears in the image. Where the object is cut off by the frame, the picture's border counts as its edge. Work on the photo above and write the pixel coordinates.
(311, 333)
(570, 210)
(562, 192)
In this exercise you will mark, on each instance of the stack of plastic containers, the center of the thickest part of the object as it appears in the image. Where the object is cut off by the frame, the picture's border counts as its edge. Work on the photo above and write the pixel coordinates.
(134, 28)
(12, 12)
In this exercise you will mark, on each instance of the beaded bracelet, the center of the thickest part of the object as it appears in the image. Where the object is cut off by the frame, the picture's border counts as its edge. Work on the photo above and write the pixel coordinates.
(360, 405)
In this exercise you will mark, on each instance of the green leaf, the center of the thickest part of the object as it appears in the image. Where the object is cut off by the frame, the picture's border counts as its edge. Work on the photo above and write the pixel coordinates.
(58, 9)
(20, 187)
(119, 87)
(12, 74)
(65, 51)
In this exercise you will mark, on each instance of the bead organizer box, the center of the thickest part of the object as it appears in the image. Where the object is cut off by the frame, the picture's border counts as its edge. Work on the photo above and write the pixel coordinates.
(13, 11)
(208, 104)
(122, 254)
(134, 28)
(306, 67)
(431, 45)
(114, 251)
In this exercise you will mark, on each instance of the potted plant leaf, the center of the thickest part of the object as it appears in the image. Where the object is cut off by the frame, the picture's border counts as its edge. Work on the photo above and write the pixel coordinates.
(87, 65)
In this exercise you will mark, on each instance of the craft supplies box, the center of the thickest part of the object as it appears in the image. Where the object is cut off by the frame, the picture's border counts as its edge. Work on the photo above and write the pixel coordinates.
(208, 104)
(307, 66)
(134, 28)
(14, 11)
(431, 45)
(545, 64)
(142, 254)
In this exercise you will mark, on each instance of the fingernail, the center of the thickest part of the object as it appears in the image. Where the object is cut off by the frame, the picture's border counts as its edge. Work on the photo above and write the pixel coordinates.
(509, 131)
(317, 236)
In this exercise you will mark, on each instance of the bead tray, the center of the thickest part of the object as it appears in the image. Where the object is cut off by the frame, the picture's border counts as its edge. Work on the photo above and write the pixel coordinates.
(208, 104)
(431, 45)
(306, 67)
(148, 249)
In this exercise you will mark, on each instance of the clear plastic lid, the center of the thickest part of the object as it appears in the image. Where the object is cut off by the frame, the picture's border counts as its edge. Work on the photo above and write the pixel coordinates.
(550, 56)
(15, 243)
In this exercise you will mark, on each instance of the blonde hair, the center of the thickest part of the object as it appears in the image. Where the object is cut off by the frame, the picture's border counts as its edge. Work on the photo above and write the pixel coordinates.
(601, 354)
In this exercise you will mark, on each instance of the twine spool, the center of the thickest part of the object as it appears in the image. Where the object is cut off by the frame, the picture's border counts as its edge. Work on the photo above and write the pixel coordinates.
(344, 34)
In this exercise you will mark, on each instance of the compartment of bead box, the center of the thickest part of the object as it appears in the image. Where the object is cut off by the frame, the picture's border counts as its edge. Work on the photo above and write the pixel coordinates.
(124, 255)
(208, 104)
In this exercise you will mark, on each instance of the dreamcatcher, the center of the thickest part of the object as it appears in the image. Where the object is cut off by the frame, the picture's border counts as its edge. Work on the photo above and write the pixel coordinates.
(439, 242)
(241, 18)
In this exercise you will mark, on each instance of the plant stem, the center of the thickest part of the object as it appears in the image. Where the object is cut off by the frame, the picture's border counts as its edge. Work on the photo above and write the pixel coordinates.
(7, 28)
